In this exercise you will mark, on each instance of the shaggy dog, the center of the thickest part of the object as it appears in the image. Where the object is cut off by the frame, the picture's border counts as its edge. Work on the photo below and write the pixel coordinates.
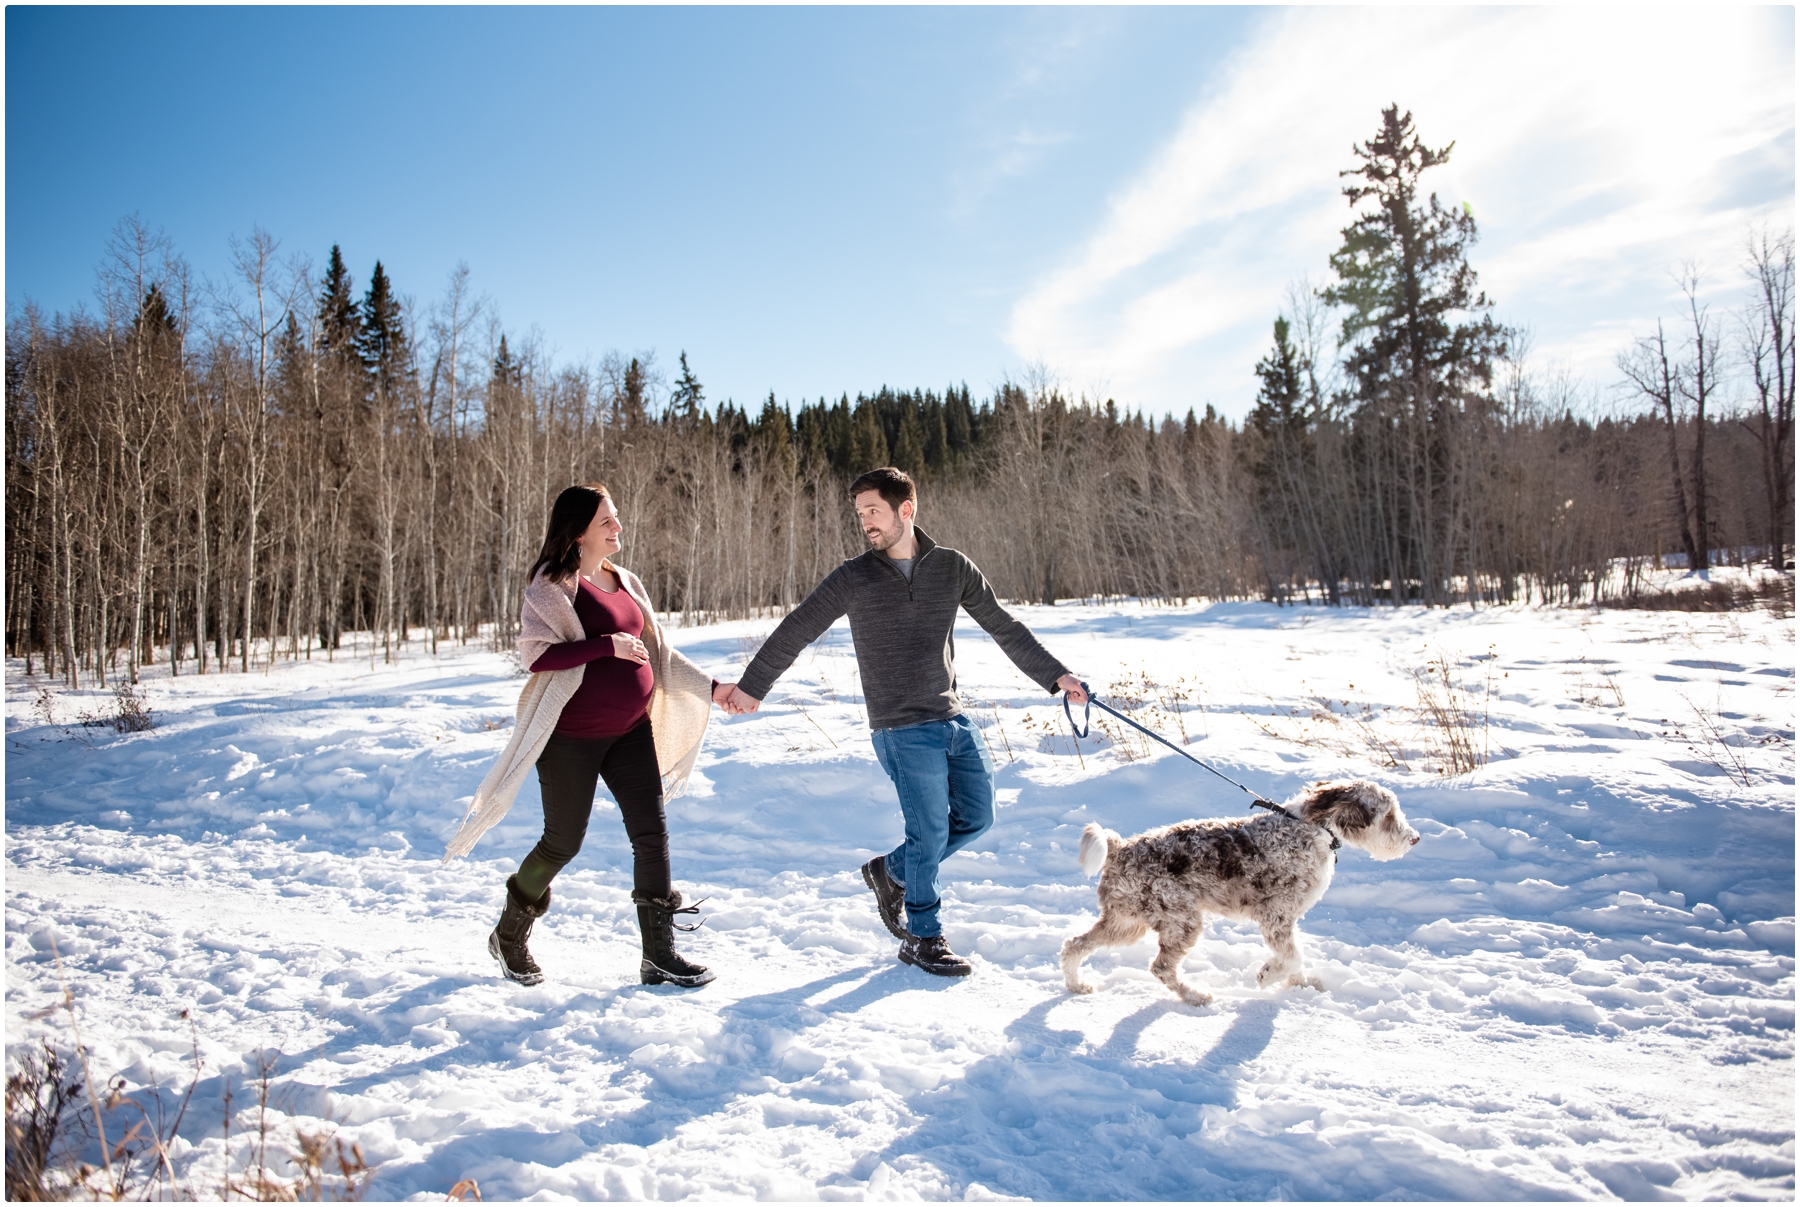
(1268, 869)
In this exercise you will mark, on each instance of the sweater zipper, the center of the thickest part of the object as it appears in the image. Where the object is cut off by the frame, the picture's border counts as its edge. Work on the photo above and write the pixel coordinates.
(915, 571)
(909, 594)
(917, 562)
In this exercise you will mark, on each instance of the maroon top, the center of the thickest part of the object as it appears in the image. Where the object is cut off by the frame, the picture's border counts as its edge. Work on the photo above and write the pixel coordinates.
(614, 692)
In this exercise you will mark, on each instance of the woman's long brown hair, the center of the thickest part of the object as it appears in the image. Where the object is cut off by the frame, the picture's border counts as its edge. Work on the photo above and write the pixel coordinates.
(570, 516)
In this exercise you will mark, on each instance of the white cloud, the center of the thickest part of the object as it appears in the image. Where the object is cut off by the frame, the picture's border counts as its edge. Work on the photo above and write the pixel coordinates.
(1005, 157)
(1599, 148)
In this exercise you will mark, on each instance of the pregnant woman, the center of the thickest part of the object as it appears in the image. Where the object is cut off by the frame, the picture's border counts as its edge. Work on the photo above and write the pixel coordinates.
(608, 699)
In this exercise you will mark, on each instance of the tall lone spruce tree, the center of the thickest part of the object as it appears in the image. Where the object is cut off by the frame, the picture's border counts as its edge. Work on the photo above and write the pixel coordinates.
(1419, 352)
(687, 399)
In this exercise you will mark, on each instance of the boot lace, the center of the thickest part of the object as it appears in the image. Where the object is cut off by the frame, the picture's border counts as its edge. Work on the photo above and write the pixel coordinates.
(685, 909)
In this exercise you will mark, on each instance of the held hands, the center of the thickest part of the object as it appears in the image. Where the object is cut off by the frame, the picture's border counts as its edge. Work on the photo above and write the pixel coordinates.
(629, 648)
(734, 700)
(1072, 685)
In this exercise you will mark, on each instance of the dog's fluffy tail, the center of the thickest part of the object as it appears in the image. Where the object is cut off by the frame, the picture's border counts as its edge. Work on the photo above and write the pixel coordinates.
(1096, 845)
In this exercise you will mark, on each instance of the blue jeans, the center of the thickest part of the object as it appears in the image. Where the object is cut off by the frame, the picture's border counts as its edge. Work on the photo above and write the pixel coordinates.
(945, 778)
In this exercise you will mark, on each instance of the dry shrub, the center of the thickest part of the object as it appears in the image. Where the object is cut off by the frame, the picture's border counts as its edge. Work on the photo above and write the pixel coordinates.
(52, 1116)
(1156, 705)
(1347, 728)
(1452, 714)
(40, 1097)
(323, 1169)
(1712, 745)
(1449, 715)
(1599, 688)
(1774, 593)
(132, 711)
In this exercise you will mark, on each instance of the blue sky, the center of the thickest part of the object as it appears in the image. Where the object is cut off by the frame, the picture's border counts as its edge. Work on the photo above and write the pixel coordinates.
(820, 200)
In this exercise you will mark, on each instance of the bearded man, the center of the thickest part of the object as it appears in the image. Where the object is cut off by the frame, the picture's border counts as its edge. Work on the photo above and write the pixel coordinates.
(902, 597)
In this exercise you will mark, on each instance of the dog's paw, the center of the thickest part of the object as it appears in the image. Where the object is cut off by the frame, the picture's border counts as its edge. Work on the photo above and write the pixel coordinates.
(1301, 981)
(1276, 973)
(1080, 987)
(1195, 997)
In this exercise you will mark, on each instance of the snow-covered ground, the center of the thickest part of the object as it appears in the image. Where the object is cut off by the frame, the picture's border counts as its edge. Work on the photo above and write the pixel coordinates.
(1580, 984)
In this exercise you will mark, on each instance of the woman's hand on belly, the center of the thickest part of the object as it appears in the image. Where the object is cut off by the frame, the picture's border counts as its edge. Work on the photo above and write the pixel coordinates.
(629, 648)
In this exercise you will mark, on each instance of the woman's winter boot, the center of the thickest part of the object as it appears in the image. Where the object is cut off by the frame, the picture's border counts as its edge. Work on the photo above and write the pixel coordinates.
(661, 964)
(507, 943)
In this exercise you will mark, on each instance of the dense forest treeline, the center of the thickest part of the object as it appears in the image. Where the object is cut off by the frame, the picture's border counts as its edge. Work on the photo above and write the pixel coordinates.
(213, 475)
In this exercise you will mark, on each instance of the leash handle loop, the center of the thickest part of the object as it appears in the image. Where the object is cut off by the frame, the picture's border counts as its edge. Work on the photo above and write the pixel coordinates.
(1087, 712)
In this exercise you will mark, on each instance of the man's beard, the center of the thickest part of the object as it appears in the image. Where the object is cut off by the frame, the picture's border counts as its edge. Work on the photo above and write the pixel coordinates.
(880, 541)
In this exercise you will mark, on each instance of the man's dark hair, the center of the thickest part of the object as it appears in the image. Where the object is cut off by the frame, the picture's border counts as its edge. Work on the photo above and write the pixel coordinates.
(894, 485)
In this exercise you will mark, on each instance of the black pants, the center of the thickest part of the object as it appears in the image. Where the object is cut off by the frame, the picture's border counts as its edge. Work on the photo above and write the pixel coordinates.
(568, 772)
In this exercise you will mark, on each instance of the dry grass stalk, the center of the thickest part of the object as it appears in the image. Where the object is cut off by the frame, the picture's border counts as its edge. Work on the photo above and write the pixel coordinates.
(1713, 747)
(1605, 691)
(1446, 709)
(971, 706)
(39, 1094)
(53, 1112)
(815, 724)
(1343, 727)
(1153, 704)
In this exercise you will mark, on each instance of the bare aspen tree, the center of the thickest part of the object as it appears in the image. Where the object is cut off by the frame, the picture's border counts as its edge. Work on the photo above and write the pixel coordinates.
(1698, 384)
(259, 317)
(455, 315)
(142, 340)
(1654, 375)
(1767, 349)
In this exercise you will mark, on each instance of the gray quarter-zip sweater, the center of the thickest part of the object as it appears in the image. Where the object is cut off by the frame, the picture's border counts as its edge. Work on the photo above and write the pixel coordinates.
(903, 632)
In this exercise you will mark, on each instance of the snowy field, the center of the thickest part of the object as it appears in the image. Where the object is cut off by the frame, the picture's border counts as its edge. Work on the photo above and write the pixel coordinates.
(1579, 985)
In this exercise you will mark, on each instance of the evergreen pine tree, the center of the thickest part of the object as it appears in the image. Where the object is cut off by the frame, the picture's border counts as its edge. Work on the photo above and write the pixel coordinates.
(868, 444)
(1403, 273)
(290, 350)
(1421, 349)
(383, 336)
(155, 334)
(937, 439)
(1277, 408)
(774, 435)
(685, 401)
(507, 371)
(734, 425)
(293, 376)
(632, 399)
(810, 439)
(909, 448)
(1278, 420)
(340, 327)
(959, 422)
(154, 319)
(840, 434)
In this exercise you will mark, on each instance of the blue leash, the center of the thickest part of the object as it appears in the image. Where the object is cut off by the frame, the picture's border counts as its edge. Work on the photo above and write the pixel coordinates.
(1087, 714)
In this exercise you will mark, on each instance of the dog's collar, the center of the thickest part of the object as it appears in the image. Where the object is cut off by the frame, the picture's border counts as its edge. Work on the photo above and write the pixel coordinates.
(1272, 807)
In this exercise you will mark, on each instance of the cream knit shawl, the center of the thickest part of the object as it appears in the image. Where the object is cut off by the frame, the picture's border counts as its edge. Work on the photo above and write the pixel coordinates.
(680, 706)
